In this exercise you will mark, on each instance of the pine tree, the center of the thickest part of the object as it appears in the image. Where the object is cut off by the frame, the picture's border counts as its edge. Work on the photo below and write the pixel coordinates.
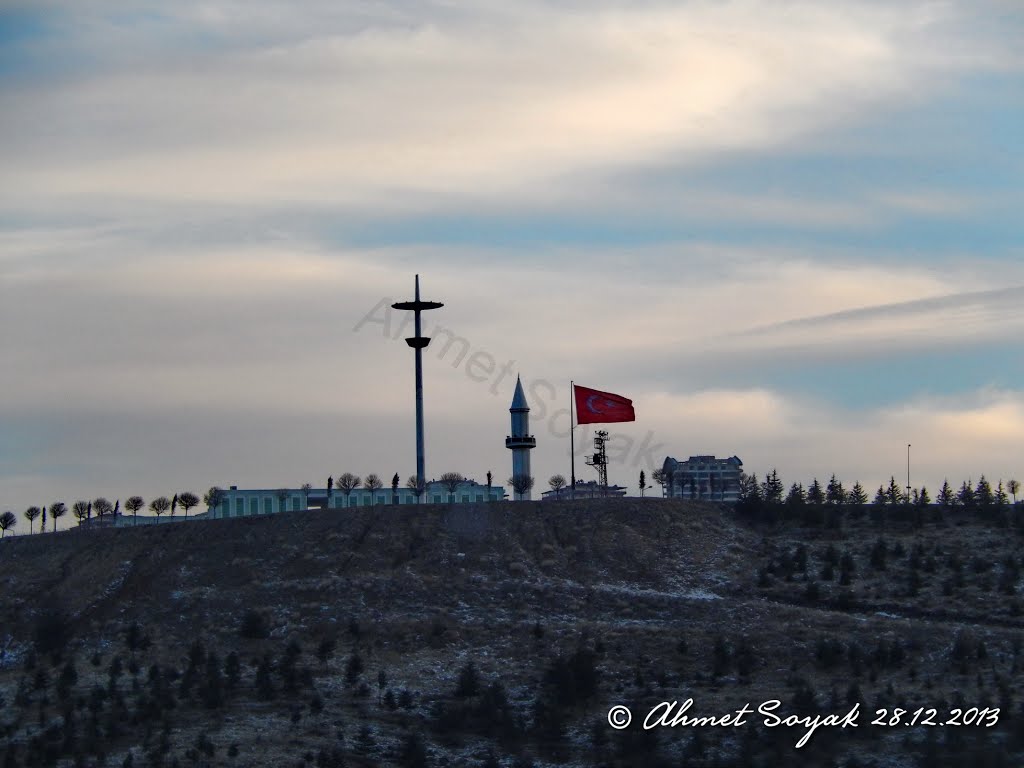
(983, 494)
(1001, 499)
(750, 500)
(835, 493)
(965, 496)
(353, 669)
(772, 488)
(945, 497)
(858, 495)
(469, 681)
(878, 554)
(893, 494)
(796, 497)
(815, 495)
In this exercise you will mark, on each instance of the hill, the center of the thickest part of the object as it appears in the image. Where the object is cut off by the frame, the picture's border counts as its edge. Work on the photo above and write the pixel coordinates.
(503, 633)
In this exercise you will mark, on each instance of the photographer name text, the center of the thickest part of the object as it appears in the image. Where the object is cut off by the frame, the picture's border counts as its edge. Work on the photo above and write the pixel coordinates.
(672, 714)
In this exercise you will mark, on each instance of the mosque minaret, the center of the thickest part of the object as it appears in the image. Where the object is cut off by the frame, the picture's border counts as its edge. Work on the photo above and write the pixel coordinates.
(520, 441)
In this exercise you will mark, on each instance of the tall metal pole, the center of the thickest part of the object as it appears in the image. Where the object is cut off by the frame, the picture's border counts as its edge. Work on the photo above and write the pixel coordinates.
(572, 439)
(908, 473)
(420, 450)
(418, 343)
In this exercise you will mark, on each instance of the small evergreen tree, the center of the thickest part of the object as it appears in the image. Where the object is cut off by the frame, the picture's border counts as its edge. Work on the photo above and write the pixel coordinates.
(815, 495)
(353, 668)
(772, 488)
(1001, 500)
(965, 496)
(983, 497)
(325, 650)
(893, 494)
(835, 493)
(858, 495)
(264, 682)
(469, 681)
(945, 497)
(750, 502)
(796, 497)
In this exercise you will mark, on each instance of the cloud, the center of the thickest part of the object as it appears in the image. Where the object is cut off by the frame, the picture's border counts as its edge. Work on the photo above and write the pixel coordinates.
(480, 102)
(936, 320)
(202, 200)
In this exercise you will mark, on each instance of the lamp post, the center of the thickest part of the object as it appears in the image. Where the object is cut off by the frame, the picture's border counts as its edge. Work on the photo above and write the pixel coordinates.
(418, 342)
(908, 473)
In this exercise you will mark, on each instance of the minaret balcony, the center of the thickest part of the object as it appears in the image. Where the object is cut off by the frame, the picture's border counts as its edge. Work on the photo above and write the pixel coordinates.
(522, 441)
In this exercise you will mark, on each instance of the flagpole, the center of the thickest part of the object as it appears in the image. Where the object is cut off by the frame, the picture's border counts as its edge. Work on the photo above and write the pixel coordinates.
(572, 441)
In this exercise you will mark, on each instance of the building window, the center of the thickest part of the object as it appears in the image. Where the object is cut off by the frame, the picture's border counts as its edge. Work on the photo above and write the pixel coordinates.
(268, 507)
(239, 508)
(254, 506)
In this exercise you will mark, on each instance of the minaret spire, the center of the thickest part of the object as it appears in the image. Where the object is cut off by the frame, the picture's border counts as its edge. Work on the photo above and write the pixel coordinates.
(520, 441)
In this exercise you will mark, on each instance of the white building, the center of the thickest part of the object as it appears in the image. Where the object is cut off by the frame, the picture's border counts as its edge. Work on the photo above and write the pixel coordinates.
(703, 477)
(588, 490)
(248, 502)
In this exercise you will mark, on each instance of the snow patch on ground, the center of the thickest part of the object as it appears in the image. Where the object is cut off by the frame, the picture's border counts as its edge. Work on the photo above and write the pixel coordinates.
(702, 594)
(690, 594)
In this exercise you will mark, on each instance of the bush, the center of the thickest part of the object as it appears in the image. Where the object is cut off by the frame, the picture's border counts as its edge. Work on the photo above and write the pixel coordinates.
(414, 752)
(255, 626)
(353, 669)
(52, 631)
(469, 682)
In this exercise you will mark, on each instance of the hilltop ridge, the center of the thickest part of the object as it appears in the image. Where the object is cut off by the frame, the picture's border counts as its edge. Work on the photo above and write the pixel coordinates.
(652, 599)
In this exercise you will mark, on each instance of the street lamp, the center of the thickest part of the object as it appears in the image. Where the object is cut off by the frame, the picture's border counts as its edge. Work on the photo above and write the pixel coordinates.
(908, 473)
(418, 342)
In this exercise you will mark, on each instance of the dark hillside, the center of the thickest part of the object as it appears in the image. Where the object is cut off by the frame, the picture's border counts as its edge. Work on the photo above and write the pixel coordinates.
(447, 634)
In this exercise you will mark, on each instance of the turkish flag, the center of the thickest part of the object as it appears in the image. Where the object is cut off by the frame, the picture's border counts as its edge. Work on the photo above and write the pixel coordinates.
(596, 407)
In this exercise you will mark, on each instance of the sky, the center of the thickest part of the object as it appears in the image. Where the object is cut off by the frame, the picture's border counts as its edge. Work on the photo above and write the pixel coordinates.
(789, 231)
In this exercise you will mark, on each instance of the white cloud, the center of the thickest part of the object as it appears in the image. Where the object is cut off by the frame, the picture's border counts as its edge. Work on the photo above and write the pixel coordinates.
(476, 102)
(185, 328)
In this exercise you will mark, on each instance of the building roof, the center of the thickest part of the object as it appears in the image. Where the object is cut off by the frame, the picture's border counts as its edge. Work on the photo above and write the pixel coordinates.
(584, 490)
(519, 398)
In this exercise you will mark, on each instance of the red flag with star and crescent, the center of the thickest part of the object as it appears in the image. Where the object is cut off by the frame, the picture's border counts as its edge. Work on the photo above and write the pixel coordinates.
(596, 407)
